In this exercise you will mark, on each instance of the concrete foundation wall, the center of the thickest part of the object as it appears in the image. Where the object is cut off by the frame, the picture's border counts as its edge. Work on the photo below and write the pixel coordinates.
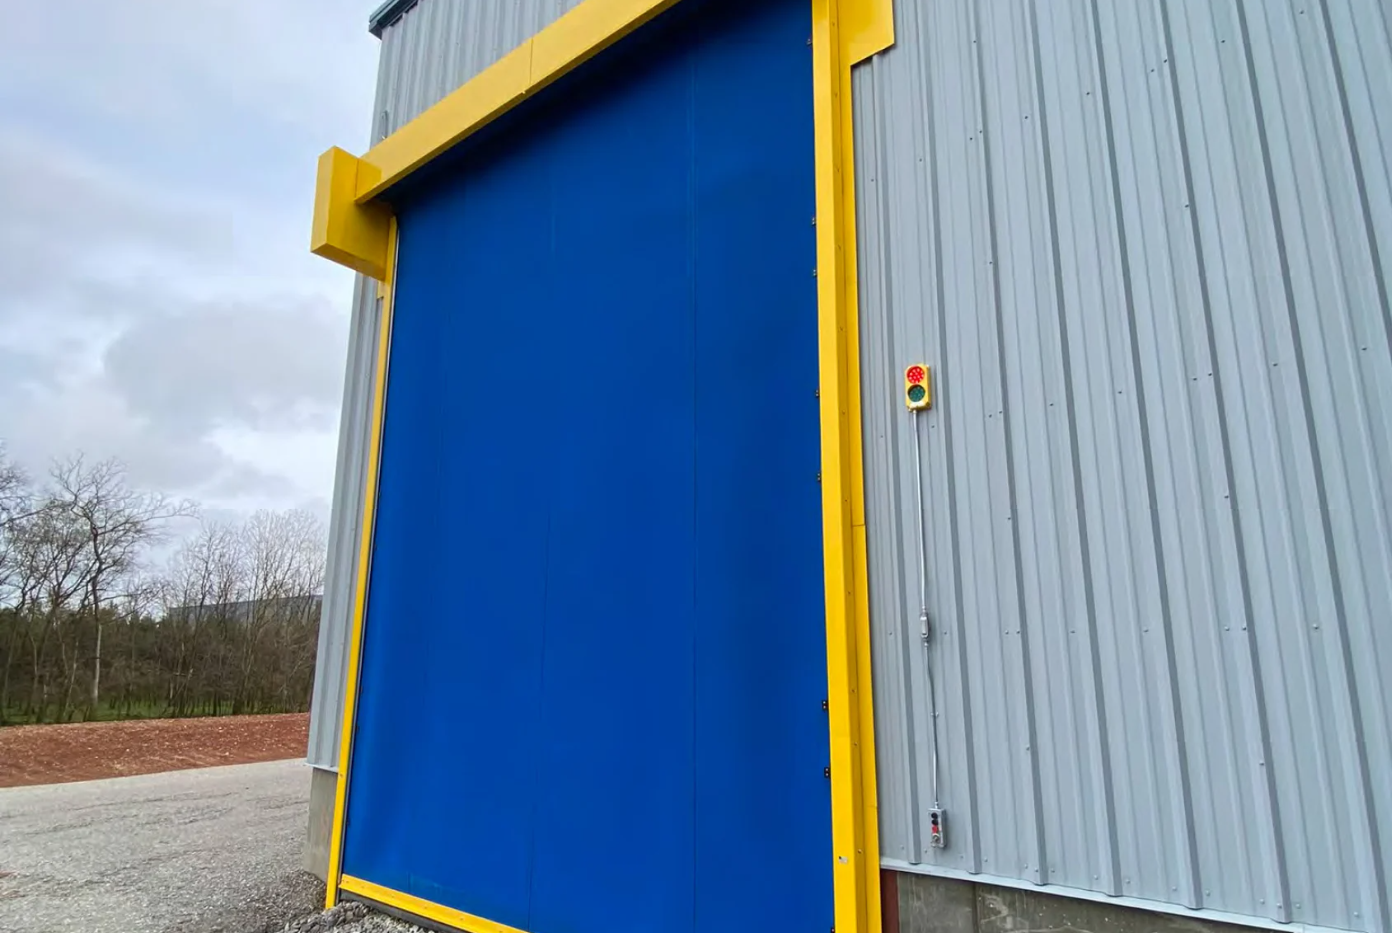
(924, 904)
(322, 787)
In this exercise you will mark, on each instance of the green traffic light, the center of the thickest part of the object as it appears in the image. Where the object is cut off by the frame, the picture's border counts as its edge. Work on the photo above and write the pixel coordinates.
(917, 393)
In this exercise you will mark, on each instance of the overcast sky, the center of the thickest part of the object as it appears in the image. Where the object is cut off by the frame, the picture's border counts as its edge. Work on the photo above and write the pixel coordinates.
(158, 301)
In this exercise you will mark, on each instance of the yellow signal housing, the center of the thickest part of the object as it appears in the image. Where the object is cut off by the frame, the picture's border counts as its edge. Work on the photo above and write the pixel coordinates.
(918, 387)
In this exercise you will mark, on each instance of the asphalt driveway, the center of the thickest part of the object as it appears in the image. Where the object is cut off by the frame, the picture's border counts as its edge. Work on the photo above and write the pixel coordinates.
(210, 850)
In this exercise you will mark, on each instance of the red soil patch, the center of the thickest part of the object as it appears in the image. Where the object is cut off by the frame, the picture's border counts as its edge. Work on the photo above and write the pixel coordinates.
(87, 751)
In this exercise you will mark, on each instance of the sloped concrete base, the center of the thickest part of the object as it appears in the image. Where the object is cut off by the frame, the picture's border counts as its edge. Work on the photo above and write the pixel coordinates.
(923, 904)
(322, 787)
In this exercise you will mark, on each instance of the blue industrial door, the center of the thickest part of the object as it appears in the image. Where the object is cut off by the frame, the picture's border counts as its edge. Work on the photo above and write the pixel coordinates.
(594, 653)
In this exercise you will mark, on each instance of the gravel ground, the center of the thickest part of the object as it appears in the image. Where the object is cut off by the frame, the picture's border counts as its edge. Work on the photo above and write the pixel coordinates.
(349, 918)
(211, 851)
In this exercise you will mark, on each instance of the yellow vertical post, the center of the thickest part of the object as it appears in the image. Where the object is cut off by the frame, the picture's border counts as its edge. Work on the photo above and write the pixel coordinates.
(854, 833)
(875, 33)
(385, 291)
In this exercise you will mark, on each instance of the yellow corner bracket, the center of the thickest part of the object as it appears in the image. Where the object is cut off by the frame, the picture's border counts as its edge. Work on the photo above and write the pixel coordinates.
(346, 232)
(867, 28)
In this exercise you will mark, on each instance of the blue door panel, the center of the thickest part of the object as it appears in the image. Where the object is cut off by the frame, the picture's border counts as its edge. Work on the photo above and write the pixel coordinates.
(760, 649)
(614, 819)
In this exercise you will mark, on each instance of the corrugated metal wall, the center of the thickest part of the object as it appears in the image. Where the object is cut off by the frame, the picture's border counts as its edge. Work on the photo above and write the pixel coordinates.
(439, 44)
(428, 52)
(1145, 246)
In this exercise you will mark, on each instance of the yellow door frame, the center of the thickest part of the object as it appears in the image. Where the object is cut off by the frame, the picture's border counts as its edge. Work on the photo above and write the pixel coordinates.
(352, 227)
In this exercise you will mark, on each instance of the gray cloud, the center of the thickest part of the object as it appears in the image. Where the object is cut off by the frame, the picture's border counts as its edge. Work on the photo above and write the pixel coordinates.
(271, 366)
(51, 192)
(71, 226)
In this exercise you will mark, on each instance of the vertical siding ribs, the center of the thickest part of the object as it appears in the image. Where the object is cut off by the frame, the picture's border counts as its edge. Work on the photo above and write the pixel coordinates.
(1110, 857)
(1234, 667)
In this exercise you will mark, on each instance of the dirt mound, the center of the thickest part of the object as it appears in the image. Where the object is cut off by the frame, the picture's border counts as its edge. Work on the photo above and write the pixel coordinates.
(88, 751)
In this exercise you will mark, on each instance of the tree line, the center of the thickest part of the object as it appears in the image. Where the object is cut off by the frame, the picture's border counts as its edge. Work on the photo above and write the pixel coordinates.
(104, 615)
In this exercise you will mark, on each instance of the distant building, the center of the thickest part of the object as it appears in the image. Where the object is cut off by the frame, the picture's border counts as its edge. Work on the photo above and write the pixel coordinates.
(245, 611)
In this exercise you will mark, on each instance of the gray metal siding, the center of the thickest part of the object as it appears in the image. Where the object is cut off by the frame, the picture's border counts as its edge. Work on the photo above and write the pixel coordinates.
(345, 529)
(1145, 247)
(429, 51)
(440, 44)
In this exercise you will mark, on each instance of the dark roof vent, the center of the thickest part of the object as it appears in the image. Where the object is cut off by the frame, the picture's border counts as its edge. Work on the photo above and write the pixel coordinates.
(387, 14)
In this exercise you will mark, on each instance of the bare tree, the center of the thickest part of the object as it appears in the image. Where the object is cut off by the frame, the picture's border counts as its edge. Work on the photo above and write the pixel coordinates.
(16, 503)
(16, 498)
(285, 566)
(119, 523)
(203, 584)
(52, 573)
(229, 625)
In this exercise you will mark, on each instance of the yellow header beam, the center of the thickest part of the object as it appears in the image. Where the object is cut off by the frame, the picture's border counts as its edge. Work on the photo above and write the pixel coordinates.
(350, 231)
(563, 46)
